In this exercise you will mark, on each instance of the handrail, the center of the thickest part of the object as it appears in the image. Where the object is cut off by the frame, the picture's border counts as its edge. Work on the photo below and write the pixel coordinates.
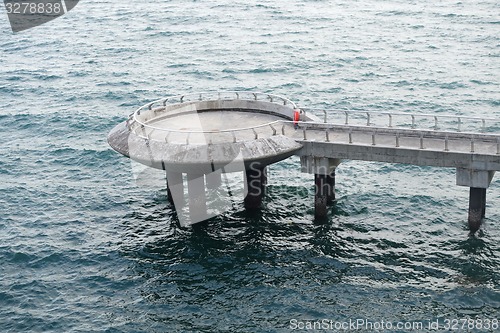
(490, 137)
(401, 114)
(457, 122)
(368, 123)
(241, 129)
(180, 99)
(218, 94)
(473, 138)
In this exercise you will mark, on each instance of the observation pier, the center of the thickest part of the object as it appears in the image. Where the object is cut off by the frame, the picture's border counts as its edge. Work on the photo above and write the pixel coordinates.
(199, 138)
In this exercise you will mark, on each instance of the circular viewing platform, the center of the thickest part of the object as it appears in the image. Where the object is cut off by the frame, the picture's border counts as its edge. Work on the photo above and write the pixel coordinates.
(207, 131)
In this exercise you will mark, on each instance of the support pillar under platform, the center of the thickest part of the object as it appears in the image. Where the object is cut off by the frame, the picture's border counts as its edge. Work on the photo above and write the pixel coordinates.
(477, 207)
(255, 184)
(320, 196)
(175, 189)
(263, 180)
(330, 180)
(214, 179)
(197, 197)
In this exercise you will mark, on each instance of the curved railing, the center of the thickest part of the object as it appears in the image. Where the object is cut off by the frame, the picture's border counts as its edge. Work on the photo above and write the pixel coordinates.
(210, 96)
(135, 124)
(275, 127)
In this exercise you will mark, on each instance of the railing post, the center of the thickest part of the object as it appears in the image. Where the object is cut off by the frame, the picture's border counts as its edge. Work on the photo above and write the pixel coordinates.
(436, 123)
(368, 119)
(459, 124)
(327, 135)
(255, 133)
(304, 132)
(283, 129)
(346, 118)
(274, 129)
(373, 139)
(422, 140)
(390, 120)
(413, 124)
(397, 140)
(325, 120)
(472, 144)
(350, 136)
(446, 143)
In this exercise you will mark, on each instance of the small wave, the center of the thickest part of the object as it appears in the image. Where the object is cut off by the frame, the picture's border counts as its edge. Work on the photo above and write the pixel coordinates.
(452, 85)
(479, 82)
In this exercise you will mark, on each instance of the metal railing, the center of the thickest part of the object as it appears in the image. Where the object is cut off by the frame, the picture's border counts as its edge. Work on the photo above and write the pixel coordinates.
(437, 122)
(310, 131)
(145, 130)
(274, 128)
(210, 96)
(379, 125)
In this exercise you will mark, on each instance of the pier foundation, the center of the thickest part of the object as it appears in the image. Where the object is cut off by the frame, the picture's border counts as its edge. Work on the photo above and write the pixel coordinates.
(197, 197)
(478, 181)
(214, 179)
(255, 180)
(324, 181)
(330, 180)
(320, 196)
(477, 207)
(175, 189)
(263, 180)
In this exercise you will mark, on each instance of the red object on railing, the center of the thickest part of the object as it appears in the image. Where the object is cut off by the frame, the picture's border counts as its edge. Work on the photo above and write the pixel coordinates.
(296, 117)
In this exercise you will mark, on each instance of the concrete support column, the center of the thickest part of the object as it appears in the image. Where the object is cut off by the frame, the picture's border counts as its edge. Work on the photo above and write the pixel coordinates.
(477, 207)
(320, 196)
(175, 189)
(323, 169)
(197, 197)
(254, 178)
(330, 179)
(263, 180)
(484, 204)
(478, 181)
(214, 179)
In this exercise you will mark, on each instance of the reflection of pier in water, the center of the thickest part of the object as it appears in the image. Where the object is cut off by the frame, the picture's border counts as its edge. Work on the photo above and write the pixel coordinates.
(197, 139)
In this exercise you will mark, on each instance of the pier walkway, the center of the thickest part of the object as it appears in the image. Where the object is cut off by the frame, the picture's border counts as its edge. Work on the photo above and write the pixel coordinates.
(205, 135)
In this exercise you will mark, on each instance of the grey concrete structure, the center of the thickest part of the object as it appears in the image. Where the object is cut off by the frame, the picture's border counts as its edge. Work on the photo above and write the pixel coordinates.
(206, 135)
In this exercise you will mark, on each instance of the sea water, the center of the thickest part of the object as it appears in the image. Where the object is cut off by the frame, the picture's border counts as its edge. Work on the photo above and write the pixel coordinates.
(89, 242)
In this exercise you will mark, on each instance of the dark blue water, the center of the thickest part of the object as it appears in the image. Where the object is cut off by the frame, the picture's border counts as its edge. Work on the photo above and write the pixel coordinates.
(89, 243)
